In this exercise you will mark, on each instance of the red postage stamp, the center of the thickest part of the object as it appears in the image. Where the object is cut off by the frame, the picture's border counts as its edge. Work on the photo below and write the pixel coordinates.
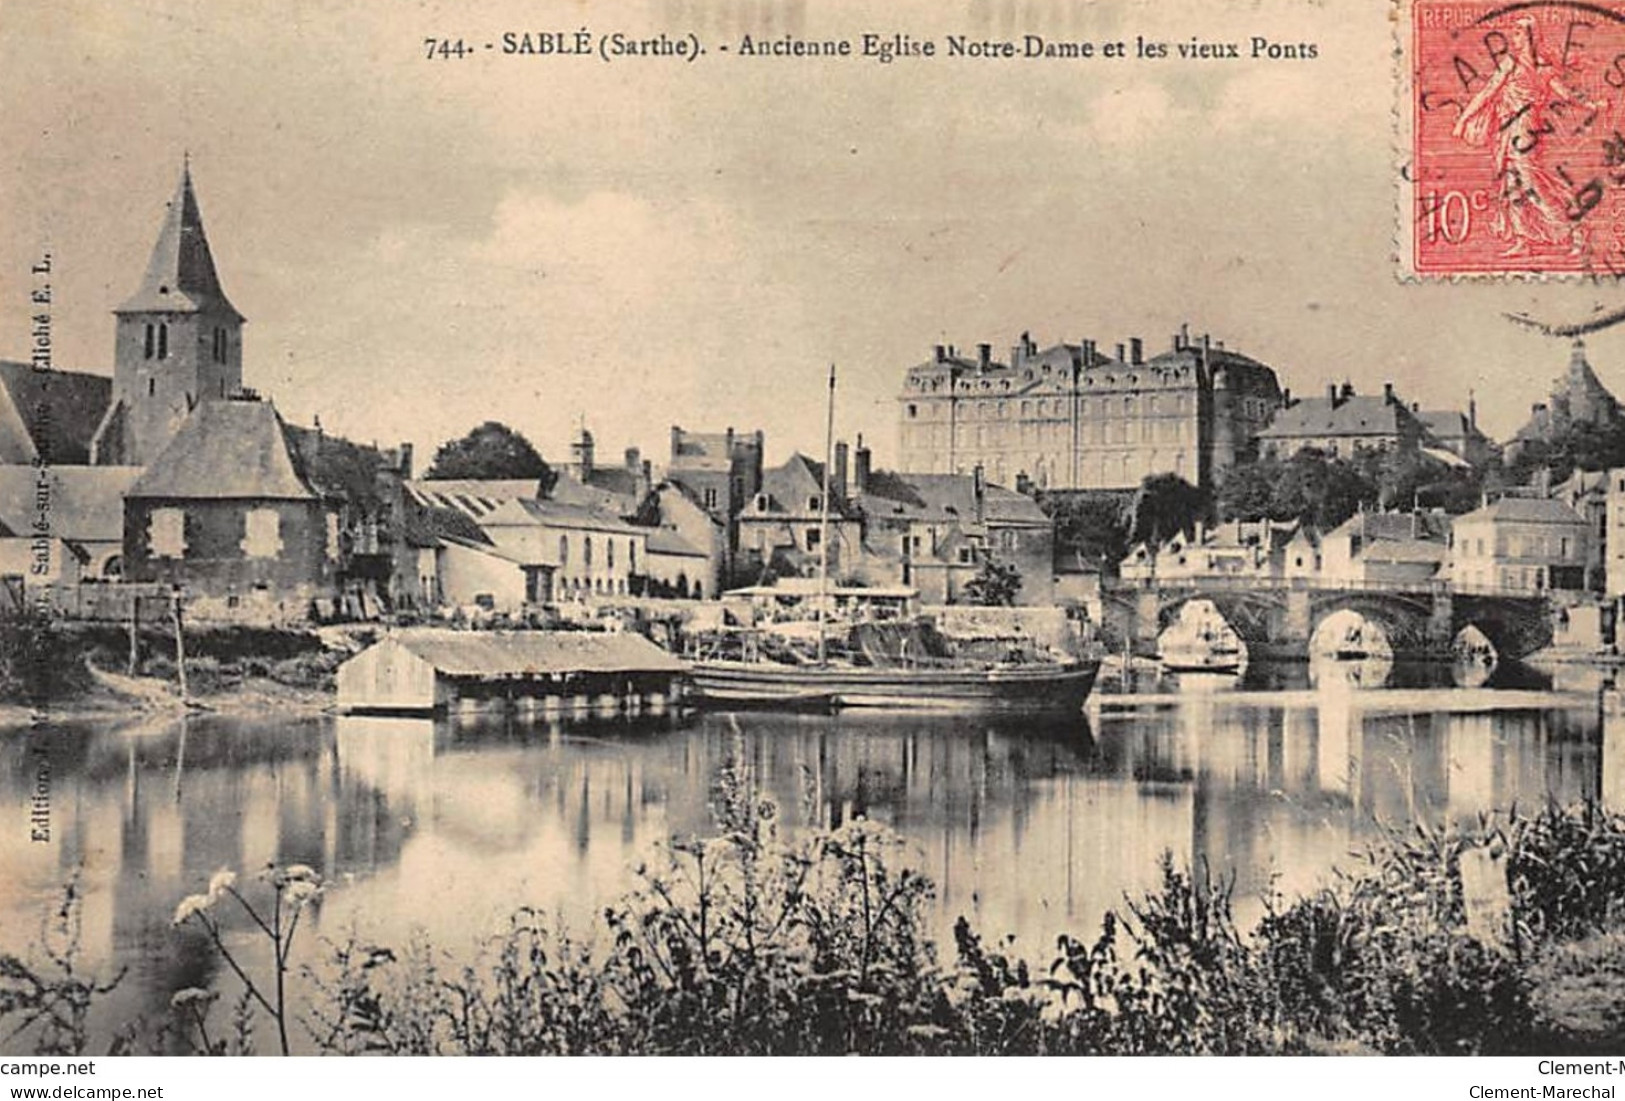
(1513, 119)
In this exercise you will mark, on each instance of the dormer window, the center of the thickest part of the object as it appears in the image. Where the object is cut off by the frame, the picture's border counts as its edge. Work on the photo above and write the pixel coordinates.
(761, 502)
(814, 504)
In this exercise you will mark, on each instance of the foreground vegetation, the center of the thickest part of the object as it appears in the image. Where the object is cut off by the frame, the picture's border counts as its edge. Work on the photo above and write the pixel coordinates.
(754, 942)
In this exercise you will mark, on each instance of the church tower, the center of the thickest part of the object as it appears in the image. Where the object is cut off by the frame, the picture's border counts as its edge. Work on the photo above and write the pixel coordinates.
(178, 341)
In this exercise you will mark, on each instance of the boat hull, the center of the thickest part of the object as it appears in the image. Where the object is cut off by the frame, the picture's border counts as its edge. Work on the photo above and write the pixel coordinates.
(1023, 689)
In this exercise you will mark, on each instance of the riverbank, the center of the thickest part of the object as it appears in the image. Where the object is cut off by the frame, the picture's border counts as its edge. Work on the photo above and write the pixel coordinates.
(149, 697)
(55, 671)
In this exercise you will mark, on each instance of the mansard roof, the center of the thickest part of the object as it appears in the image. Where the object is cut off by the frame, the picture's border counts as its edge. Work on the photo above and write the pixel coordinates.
(181, 276)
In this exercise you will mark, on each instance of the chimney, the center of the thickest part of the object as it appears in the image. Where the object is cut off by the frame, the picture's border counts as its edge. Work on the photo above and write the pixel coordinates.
(860, 469)
(979, 492)
(1416, 407)
(1136, 350)
(1348, 389)
(984, 356)
(1472, 410)
(1184, 334)
(1088, 352)
(1122, 356)
(676, 443)
(1331, 393)
(837, 474)
(646, 481)
(942, 354)
(1179, 345)
(1388, 393)
(406, 460)
(634, 459)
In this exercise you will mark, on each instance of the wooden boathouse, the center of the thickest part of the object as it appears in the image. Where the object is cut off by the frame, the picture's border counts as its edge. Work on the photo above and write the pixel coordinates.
(425, 670)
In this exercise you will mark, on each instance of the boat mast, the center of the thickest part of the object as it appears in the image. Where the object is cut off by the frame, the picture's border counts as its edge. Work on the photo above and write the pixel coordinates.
(823, 525)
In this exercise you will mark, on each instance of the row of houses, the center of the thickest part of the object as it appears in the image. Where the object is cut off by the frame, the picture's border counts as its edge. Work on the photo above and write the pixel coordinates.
(1513, 545)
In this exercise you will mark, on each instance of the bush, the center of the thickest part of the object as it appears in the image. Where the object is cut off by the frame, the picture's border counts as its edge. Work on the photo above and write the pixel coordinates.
(751, 942)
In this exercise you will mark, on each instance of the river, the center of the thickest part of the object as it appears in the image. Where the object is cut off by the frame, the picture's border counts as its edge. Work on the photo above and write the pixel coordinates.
(447, 826)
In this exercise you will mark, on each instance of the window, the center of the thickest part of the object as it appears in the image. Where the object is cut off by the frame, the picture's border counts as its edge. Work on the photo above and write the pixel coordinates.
(814, 503)
(913, 411)
(262, 533)
(163, 340)
(564, 550)
(333, 536)
(631, 556)
(151, 337)
(710, 497)
(152, 387)
(812, 538)
(586, 552)
(609, 553)
(166, 533)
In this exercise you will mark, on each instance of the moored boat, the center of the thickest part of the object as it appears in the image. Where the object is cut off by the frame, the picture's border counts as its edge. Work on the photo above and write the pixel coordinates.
(1055, 687)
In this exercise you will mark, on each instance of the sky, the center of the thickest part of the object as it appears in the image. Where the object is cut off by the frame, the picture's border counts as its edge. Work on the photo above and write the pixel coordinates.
(420, 245)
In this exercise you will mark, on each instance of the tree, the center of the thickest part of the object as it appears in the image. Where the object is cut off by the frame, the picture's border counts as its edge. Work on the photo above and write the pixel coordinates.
(493, 450)
(1165, 506)
(1311, 487)
(995, 585)
(1580, 445)
(1090, 526)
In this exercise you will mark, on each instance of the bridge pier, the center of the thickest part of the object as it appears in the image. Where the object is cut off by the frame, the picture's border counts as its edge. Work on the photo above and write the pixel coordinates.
(1441, 628)
(1299, 620)
(1147, 604)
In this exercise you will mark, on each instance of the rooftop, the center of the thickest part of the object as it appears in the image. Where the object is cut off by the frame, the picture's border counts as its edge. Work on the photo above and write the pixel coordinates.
(232, 449)
(521, 653)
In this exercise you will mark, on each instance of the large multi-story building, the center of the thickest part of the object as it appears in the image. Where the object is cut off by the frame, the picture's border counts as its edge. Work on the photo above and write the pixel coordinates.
(1072, 417)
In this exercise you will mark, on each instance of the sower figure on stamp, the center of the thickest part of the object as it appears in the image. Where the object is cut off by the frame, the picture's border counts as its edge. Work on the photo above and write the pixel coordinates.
(1516, 110)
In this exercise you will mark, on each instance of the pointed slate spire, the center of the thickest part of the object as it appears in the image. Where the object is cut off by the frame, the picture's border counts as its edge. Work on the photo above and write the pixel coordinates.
(181, 277)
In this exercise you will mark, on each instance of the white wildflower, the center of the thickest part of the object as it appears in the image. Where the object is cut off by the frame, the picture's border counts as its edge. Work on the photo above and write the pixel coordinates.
(224, 880)
(191, 904)
(192, 995)
(299, 892)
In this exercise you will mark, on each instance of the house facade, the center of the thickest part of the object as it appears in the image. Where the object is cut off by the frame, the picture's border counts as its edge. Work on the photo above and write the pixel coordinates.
(1520, 544)
(782, 528)
(935, 532)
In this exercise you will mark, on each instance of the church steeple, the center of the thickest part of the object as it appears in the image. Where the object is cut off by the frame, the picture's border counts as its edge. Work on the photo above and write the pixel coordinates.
(181, 276)
(178, 341)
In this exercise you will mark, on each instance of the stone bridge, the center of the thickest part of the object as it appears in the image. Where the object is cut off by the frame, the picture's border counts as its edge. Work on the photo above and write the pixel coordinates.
(1278, 618)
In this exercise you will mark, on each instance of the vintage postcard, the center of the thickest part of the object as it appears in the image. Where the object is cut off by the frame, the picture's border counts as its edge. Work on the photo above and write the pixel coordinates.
(812, 527)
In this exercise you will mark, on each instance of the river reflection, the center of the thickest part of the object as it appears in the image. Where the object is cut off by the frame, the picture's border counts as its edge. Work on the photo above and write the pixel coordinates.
(1031, 830)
